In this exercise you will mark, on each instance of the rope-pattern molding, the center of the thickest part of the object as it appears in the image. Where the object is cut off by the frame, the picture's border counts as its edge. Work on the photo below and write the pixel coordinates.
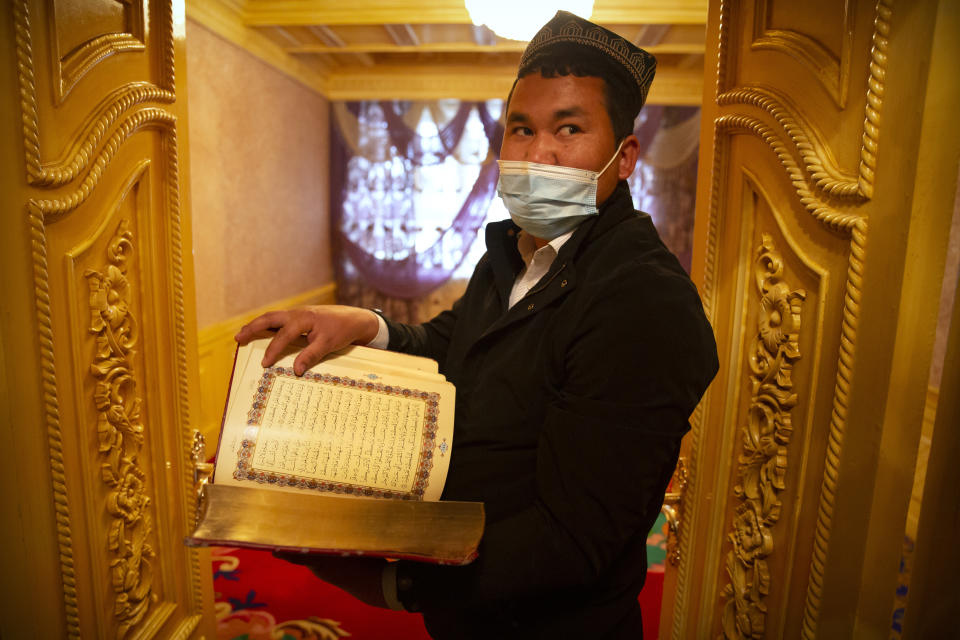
(28, 91)
(832, 218)
(723, 46)
(179, 321)
(41, 280)
(826, 176)
(838, 422)
(120, 101)
(61, 504)
(168, 81)
(117, 103)
(875, 82)
(148, 116)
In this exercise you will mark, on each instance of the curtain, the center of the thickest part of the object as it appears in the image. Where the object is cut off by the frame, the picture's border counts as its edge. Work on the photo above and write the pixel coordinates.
(664, 184)
(414, 183)
(411, 184)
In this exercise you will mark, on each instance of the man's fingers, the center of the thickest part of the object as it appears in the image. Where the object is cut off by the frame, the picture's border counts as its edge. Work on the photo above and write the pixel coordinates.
(311, 354)
(295, 326)
(251, 330)
(328, 328)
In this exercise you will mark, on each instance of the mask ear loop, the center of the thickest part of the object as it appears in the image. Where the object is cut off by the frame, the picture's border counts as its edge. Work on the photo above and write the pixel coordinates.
(616, 154)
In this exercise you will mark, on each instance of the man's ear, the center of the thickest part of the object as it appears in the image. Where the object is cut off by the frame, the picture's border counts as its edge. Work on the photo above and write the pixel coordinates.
(629, 153)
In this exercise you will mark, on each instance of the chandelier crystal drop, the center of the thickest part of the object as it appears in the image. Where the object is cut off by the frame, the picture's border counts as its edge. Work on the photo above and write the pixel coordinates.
(520, 20)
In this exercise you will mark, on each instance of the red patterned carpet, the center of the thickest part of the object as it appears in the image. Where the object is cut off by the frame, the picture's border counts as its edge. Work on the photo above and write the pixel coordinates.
(259, 597)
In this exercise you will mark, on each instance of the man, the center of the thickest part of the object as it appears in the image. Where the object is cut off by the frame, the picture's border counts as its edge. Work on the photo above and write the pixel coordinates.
(578, 351)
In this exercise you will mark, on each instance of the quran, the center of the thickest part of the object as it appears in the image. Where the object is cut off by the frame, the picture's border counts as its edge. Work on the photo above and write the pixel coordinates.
(349, 458)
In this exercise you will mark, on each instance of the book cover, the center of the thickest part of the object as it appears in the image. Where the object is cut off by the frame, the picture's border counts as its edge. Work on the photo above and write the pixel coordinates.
(350, 457)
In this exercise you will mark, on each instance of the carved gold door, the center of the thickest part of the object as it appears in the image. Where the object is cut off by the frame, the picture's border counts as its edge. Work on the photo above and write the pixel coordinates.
(98, 325)
(820, 123)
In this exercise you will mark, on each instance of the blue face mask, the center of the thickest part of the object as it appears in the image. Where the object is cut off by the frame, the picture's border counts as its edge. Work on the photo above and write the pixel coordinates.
(545, 200)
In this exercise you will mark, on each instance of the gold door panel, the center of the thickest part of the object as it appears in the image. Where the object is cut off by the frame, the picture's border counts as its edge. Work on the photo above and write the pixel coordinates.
(100, 207)
(792, 144)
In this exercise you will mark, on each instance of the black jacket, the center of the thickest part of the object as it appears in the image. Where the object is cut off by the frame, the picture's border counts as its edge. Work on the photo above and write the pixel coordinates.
(570, 409)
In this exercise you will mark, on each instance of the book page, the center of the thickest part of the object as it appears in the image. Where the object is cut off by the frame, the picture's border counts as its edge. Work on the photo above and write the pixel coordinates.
(364, 429)
(389, 358)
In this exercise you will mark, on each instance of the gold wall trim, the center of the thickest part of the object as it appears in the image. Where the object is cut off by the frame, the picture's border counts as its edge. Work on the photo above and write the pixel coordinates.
(39, 213)
(823, 212)
(308, 12)
(852, 223)
(826, 176)
(215, 346)
(672, 86)
(875, 82)
(764, 454)
(422, 83)
(838, 214)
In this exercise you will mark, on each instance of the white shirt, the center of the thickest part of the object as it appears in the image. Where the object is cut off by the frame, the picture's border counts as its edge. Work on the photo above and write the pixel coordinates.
(537, 263)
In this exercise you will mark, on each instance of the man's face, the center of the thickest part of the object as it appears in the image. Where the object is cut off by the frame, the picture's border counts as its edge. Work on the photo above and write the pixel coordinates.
(563, 121)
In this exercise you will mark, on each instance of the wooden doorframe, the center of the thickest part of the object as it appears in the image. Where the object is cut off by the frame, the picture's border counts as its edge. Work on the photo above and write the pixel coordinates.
(95, 112)
(907, 183)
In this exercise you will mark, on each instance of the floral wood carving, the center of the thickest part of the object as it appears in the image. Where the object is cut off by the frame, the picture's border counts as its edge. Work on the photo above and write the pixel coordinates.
(120, 433)
(763, 459)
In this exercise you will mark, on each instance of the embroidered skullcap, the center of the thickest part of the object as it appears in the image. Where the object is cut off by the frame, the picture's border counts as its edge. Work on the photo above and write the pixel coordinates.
(568, 37)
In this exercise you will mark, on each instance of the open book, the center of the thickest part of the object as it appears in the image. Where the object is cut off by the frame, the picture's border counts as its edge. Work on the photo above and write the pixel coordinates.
(295, 453)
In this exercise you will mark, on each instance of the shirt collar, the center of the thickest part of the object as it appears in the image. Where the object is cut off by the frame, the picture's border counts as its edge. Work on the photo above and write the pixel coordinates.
(527, 246)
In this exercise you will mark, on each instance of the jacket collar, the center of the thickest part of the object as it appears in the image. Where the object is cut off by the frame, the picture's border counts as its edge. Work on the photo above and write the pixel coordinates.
(501, 239)
(615, 209)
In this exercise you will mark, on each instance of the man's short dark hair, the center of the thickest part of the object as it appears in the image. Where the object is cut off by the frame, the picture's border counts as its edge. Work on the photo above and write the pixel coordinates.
(586, 65)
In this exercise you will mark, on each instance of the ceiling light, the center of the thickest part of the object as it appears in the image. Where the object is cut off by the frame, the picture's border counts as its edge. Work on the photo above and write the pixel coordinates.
(521, 19)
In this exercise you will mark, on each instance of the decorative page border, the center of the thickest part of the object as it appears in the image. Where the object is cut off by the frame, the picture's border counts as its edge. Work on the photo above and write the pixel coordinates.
(245, 470)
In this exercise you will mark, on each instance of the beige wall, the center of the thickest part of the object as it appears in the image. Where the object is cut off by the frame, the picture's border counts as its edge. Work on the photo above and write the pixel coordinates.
(259, 179)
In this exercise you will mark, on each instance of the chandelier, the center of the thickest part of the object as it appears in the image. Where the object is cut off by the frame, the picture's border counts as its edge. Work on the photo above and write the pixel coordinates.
(520, 19)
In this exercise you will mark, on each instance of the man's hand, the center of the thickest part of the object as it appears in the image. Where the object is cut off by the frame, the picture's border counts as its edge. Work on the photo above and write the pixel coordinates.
(360, 577)
(327, 327)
